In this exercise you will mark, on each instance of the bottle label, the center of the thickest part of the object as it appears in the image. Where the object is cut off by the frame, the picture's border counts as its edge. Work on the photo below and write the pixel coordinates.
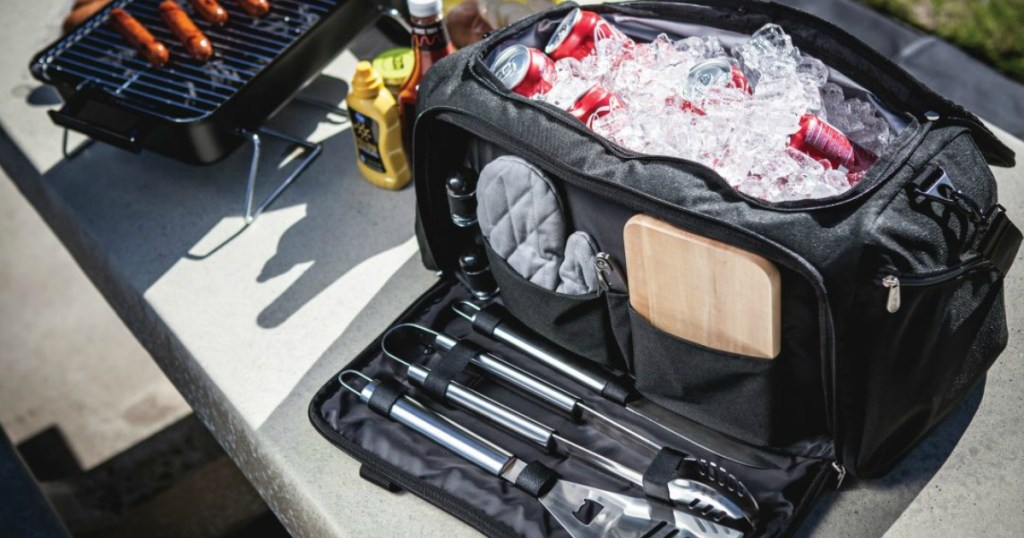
(366, 133)
(431, 37)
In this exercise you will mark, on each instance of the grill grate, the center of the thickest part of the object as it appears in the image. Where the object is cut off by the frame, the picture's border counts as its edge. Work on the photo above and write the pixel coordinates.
(184, 89)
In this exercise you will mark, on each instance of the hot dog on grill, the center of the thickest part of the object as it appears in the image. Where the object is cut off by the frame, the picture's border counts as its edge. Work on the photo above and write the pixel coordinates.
(255, 8)
(139, 37)
(195, 42)
(211, 11)
(83, 9)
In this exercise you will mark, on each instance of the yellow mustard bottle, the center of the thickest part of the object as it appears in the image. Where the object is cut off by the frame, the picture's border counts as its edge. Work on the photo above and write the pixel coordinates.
(376, 130)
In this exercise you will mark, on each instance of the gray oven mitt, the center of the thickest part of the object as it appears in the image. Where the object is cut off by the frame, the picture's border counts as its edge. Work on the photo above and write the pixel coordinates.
(578, 273)
(521, 217)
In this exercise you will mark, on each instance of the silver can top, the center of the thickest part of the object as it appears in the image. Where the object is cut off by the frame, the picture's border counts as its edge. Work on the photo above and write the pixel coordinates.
(512, 65)
(564, 29)
(707, 74)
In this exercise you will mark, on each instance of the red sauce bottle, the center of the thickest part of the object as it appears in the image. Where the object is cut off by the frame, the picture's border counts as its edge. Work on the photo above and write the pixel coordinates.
(430, 43)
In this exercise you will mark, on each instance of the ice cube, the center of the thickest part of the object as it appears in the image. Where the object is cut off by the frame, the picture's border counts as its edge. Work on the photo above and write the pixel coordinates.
(744, 137)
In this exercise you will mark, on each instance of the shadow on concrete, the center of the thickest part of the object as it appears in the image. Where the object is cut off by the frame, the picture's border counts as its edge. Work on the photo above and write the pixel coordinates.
(309, 240)
(148, 211)
(879, 503)
(288, 423)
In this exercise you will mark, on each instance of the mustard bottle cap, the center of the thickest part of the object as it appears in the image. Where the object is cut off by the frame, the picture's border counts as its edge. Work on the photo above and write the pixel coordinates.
(395, 65)
(366, 82)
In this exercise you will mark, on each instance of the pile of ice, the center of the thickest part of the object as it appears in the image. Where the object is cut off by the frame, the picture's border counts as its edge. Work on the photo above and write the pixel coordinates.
(744, 137)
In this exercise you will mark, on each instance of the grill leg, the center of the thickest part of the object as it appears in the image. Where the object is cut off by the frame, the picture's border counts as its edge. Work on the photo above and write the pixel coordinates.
(313, 150)
(321, 104)
(77, 151)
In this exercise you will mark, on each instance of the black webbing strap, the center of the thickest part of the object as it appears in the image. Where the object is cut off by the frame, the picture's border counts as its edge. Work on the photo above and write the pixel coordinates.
(619, 390)
(379, 479)
(451, 363)
(1000, 240)
(536, 479)
(661, 471)
(488, 318)
(385, 395)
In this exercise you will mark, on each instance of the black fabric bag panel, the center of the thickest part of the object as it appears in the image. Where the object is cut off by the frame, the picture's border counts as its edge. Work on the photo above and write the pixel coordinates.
(618, 313)
(578, 323)
(919, 362)
(901, 373)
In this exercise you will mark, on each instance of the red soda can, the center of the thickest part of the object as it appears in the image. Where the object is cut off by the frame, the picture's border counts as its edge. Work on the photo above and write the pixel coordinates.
(578, 33)
(526, 71)
(739, 80)
(715, 73)
(824, 142)
(594, 103)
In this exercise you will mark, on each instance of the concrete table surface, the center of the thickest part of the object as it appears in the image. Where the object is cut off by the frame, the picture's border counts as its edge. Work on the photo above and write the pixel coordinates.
(248, 326)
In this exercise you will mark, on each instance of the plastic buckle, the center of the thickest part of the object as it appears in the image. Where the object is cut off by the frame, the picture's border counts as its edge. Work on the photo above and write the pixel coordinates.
(1000, 239)
(940, 188)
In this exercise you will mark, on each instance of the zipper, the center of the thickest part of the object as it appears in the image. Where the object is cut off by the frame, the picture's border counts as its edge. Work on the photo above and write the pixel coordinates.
(644, 202)
(892, 305)
(894, 281)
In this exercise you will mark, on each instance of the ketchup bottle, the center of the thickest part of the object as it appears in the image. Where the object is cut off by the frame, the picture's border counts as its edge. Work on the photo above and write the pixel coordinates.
(430, 43)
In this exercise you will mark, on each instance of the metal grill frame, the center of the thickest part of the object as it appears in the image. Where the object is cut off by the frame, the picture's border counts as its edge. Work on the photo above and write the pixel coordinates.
(208, 137)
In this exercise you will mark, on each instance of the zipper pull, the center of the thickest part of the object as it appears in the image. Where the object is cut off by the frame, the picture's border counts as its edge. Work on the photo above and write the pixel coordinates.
(893, 283)
(609, 275)
(840, 473)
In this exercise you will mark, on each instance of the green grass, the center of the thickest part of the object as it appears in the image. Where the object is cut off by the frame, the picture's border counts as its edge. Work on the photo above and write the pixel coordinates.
(991, 30)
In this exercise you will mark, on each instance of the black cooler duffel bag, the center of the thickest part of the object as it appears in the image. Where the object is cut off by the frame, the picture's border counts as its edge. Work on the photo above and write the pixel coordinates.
(892, 304)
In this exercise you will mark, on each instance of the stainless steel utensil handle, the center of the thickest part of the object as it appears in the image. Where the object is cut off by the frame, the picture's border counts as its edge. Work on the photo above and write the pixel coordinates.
(552, 357)
(498, 413)
(408, 413)
(495, 322)
(519, 378)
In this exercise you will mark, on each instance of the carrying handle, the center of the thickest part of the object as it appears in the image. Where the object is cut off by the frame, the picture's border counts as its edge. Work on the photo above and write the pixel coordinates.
(67, 116)
(125, 140)
(412, 414)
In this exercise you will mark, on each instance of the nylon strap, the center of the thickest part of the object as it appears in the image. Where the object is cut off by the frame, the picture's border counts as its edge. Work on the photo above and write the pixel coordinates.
(448, 367)
(384, 396)
(536, 479)
(488, 319)
(1000, 241)
(663, 469)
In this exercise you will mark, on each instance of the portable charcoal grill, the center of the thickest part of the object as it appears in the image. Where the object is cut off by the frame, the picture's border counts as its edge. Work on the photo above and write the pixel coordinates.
(192, 111)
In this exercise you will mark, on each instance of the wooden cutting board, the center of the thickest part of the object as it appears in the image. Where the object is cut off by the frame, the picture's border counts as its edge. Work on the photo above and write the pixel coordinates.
(703, 290)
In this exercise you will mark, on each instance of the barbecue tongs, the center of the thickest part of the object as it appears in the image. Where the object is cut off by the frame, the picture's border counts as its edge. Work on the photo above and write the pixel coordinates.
(583, 511)
(696, 495)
